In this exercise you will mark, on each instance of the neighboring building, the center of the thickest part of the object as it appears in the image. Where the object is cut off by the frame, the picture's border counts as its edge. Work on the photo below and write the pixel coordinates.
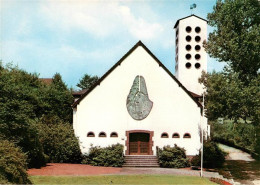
(141, 105)
(47, 81)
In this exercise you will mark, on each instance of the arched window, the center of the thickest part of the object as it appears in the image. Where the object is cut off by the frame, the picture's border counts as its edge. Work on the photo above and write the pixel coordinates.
(113, 134)
(164, 135)
(102, 134)
(90, 134)
(186, 135)
(175, 135)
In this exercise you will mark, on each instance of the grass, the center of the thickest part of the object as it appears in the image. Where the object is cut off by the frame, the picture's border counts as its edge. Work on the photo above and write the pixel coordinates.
(120, 179)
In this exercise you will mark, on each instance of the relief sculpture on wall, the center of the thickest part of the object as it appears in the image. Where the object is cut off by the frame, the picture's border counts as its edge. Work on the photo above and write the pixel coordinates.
(138, 103)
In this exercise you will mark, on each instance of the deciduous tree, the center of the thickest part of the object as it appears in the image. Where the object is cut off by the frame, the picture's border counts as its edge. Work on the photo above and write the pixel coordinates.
(236, 37)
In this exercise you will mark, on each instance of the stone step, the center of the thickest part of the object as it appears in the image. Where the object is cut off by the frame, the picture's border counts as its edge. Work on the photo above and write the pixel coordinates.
(142, 165)
(140, 157)
(146, 162)
(141, 161)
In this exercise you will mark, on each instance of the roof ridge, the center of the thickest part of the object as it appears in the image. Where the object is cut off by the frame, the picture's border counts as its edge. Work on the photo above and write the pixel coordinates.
(177, 22)
(139, 43)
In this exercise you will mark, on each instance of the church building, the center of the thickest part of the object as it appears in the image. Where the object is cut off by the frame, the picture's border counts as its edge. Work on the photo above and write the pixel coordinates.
(140, 104)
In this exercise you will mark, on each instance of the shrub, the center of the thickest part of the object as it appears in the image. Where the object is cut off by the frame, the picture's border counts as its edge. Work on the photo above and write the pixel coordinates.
(59, 141)
(172, 157)
(12, 164)
(213, 156)
(107, 156)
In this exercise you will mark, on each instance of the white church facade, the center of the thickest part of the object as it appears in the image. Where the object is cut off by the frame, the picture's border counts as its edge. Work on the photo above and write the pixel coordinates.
(140, 104)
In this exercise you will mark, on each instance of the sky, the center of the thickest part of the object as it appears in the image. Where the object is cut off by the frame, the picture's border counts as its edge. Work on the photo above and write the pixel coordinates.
(75, 37)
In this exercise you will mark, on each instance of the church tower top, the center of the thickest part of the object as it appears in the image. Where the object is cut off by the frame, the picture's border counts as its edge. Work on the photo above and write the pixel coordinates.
(190, 56)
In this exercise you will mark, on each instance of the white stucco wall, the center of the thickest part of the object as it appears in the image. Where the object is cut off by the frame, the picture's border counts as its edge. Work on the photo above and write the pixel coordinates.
(189, 77)
(104, 108)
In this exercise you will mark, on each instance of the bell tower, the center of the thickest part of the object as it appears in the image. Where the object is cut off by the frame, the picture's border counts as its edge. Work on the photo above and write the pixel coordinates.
(190, 56)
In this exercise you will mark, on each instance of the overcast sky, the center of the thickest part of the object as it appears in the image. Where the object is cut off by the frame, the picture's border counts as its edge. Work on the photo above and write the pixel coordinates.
(86, 36)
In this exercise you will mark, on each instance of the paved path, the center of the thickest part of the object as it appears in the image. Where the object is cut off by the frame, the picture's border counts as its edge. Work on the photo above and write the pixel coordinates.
(235, 154)
(241, 166)
(61, 169)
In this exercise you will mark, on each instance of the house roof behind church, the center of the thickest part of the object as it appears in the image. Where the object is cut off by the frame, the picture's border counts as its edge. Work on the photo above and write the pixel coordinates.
(177, 22)
(118, 64)
(47, 81)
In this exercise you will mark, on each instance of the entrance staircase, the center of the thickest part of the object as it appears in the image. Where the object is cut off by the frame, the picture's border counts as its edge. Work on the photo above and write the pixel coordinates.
(141, 161)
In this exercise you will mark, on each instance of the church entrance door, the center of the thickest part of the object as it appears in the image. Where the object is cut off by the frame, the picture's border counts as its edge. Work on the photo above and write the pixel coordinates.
(139, 143)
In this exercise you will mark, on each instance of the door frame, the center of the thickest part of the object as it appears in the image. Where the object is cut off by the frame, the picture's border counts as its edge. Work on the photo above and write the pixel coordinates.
(151, 133)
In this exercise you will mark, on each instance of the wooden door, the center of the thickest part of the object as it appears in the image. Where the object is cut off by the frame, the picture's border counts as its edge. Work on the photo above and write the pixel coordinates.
(139, 144)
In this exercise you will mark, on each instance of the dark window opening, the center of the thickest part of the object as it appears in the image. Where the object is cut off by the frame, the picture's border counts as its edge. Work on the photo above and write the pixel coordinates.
(197, 47)
(188, 47)
(175, 135)
(188, 38)
(197, 56)
(113, 134)
(197, 38)
(197, 65)
(188, 56)
(102, 134)
(188, 29)
(197, 29)
(187, 135)
(164, 135)
(91, 134)
(188, 65)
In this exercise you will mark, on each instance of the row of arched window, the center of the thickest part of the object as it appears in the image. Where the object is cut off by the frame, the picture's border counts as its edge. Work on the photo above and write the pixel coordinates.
(175, 135)
(164, 135)
(102, 134)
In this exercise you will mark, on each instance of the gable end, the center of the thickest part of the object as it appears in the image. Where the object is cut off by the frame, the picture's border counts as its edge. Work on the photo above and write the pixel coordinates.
(176, 24)
(139, 43)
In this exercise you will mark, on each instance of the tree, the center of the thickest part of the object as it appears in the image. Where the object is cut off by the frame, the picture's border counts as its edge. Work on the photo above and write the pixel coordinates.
(58, 140)
(236, 38)
(87, 81)
(12, 164)
(227, 96)
(57, 99)
(19, 102)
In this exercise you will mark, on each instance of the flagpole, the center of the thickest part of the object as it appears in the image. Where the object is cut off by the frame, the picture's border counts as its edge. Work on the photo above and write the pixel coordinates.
(202, 137)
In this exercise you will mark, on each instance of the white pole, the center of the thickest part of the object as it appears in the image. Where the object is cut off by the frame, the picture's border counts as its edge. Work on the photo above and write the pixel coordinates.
(202, 138)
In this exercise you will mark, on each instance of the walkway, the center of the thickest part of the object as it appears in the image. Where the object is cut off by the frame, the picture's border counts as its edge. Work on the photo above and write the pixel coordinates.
(235, 154)
(61, 169)
(240, 166)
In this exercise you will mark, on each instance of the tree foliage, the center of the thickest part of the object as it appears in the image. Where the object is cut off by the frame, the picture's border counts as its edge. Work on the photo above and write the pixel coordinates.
(228, 97)
(56, 99)
(58, 140)
(236, 38)
(13, 164)
(213, 156)
(87, 81)
(24, 99)
(19, 105)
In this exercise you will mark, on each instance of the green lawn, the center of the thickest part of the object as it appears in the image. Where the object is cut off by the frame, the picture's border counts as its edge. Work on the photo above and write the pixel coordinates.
(120, 179)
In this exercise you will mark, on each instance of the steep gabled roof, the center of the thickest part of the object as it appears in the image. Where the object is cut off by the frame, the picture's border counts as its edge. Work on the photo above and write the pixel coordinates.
(121, 60)
(177, 22)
